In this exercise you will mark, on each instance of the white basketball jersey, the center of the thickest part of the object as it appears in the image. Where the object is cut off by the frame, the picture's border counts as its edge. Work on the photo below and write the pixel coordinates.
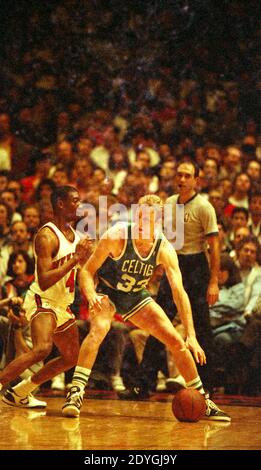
(61, 293)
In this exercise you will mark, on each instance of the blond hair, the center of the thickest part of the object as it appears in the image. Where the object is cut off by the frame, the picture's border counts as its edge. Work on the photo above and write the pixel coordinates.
(150, 200)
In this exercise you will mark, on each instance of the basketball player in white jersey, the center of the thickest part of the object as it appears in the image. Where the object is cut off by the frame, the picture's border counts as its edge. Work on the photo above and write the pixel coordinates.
(58, 253)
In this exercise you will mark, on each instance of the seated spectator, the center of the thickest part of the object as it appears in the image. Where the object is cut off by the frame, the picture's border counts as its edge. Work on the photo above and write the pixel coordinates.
(226, 187)
(9, 197)
(15, 186)
(13, 151)
(254, 221)
(141, 141)
(134, 186)
(227, 314)
(222, 237)
(100, 154)
(241, 187)
(20, 270)
(118, 168)
(63, 126)
(31, 217)
(232, 163)
(142, 167)
(249, 354)
(84, 147)
(253, 170)
(240, 233)
(239, 218)
(60, 176)
(165, 154)
(8, 318)
(210, 169)
(216, 199)
(250, 271)
(213, 152)
(19, 240)
(4, 179)
(82, 176)
(5, 221)
(44, 190)
(41, 171)
(202, 184)
(166, 177)
(64, 155)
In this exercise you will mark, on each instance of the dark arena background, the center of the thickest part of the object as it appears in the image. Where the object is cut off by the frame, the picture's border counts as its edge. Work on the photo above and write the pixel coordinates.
(108, 96)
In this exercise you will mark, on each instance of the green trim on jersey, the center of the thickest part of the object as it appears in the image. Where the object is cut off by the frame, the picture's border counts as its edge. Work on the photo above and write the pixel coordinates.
(124, 279)
(130, 272)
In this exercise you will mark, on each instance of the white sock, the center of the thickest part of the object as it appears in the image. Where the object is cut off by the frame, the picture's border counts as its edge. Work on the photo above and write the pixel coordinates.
(196, 384)
(81, 376)
(25, 387)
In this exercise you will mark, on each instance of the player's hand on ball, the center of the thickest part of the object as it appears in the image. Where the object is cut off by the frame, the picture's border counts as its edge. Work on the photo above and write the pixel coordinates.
(196, 349)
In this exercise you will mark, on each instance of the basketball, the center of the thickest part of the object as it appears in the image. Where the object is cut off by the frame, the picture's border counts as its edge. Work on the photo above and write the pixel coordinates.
(188, 405)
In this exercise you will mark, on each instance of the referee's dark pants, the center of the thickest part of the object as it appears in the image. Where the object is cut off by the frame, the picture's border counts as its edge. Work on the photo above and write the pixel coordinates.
(195, 274)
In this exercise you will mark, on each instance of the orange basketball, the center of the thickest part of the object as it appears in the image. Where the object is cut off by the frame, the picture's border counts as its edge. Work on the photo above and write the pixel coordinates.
(188, 405)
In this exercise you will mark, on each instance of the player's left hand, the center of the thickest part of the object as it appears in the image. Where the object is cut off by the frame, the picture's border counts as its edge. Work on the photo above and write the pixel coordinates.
(197, 351)
(84, 249)
(19, 321)
(212, 293)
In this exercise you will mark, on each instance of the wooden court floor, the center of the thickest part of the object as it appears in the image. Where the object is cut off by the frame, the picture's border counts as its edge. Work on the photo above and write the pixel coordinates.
(114, 424)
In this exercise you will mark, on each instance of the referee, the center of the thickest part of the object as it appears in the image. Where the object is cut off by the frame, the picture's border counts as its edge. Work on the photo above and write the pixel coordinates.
(200, 275)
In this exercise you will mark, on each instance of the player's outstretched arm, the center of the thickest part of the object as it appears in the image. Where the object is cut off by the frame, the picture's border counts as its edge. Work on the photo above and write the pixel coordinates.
(168, 258)
(213, 290)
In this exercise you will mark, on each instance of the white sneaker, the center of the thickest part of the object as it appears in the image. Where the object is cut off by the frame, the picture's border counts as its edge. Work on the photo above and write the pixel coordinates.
(117, 383)
(58, 382)
(29, 401)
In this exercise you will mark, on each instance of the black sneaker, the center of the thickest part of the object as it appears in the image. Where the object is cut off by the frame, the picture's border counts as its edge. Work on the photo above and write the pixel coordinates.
(73, 402)
(213, 412)
(135, 393)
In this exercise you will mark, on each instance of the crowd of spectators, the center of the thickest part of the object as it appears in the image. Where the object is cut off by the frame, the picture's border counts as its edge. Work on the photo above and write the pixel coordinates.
(108, 97)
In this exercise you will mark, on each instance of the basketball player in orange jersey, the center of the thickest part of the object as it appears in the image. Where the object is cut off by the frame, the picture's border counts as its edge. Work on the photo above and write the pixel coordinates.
(58, 253)
(124, 260)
